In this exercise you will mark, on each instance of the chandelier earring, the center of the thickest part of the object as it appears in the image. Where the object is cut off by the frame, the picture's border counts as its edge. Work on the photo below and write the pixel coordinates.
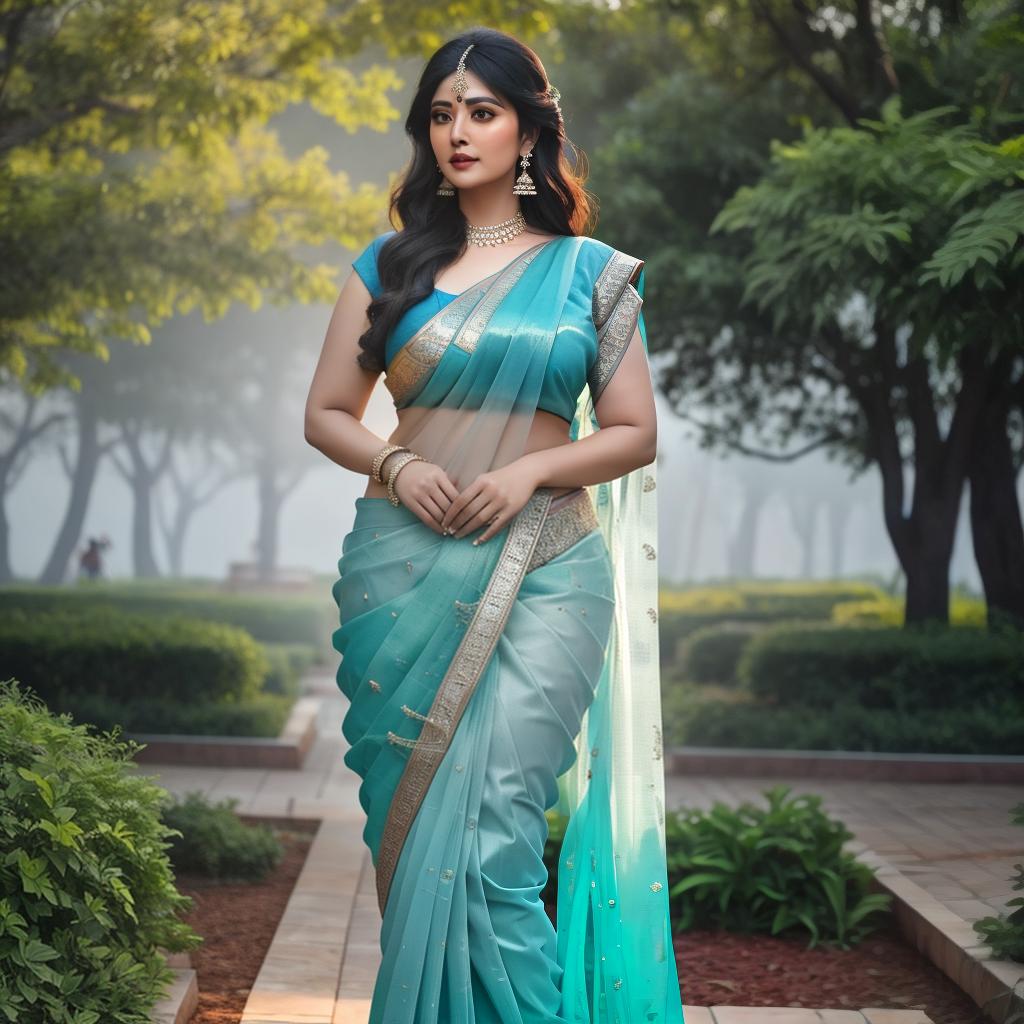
(524, 185)
(446, 188)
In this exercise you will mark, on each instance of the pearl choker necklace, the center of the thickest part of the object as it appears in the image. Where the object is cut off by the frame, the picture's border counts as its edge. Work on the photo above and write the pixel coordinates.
(495, 234)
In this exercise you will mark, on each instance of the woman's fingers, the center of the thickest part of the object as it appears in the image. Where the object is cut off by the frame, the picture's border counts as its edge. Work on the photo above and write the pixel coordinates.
(428, 518)
(468, 517)
(496, 522)
(463, 513)
(435, 508)
(481, 517)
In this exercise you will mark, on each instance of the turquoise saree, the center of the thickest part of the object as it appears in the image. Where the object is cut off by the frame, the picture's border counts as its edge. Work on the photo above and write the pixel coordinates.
(489, 684)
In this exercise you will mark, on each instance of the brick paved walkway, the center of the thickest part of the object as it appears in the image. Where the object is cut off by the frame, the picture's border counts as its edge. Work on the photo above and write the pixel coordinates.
(954, 840)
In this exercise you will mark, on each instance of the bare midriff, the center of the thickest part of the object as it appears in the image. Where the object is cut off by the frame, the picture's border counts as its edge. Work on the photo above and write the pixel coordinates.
(546, 431)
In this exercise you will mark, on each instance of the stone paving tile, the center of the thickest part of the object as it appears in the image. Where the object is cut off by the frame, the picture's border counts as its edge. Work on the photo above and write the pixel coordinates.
(896, 1017)
(698, 1015)
(763, 1015)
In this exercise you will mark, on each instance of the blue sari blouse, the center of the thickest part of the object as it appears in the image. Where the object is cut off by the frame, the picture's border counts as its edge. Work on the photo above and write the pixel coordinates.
(575, 350)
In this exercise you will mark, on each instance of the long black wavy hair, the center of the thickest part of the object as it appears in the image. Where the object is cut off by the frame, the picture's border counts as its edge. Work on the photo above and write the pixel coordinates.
(431, 229)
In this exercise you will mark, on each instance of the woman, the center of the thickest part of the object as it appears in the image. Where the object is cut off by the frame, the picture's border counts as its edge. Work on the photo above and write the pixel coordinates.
(498, 590)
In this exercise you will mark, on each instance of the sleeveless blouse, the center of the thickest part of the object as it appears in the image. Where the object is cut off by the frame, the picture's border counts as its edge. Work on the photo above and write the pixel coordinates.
(575, 351)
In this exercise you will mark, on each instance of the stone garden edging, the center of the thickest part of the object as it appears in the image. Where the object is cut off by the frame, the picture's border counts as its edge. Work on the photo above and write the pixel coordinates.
(950, 942)
(288, 750)
(844, 764)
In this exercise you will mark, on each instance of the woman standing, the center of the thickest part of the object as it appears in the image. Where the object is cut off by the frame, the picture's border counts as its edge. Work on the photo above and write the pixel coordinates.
(498, 590)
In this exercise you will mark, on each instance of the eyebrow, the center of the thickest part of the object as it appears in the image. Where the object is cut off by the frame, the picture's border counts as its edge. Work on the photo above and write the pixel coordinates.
(468, 100)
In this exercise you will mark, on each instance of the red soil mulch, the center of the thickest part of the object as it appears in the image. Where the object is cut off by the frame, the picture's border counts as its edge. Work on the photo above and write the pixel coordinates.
(715, 967)
(881, 971)
(238, 922)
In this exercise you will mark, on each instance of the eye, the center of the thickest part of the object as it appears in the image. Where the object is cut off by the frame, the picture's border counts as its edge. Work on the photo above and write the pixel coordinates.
(479, 110)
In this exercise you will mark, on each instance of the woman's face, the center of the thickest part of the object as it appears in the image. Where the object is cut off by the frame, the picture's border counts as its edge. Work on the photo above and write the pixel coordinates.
(484, 126)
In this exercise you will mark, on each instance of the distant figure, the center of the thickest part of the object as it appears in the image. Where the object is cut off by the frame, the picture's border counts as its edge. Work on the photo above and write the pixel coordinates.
(90, 562)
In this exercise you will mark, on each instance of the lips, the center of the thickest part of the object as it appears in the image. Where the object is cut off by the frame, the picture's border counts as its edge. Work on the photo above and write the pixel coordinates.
(462, 161)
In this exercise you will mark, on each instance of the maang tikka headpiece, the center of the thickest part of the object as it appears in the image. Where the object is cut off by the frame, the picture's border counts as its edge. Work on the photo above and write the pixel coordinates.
(461, 85)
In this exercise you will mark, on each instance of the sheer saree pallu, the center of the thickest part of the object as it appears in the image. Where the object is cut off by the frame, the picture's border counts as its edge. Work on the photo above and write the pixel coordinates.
(488, 684)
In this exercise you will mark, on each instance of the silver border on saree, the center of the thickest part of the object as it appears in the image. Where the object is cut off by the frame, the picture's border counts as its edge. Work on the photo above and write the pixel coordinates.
(460, 323)
(544, 528)
(616, 310)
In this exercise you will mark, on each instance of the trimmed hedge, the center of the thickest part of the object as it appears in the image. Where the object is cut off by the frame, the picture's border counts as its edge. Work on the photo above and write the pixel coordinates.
(909, 670)
(683, 612)
(263, 715)
(711, 654)
(998, 729)
(88, 898)
(288, 664)
(890, 611)
(115, 654)
(269, 619)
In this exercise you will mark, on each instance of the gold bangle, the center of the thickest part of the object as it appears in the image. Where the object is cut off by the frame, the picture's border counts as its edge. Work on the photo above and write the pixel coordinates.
(378, 460)
(401, 461)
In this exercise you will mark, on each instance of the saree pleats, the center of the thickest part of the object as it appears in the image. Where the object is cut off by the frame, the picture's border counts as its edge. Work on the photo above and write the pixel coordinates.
(465, 937)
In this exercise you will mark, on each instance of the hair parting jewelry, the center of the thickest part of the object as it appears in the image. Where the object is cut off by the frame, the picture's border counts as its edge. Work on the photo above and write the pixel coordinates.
(461, 82)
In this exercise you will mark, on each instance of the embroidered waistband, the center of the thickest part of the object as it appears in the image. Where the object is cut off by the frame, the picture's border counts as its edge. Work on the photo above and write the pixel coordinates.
(570, 518)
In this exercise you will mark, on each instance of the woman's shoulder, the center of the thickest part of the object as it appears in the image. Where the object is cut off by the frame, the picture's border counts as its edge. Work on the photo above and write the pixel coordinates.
(365, 263)
(610, 268)
(603, 252)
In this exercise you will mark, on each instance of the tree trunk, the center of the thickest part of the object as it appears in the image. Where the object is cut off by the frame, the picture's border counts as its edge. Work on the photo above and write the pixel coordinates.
(927, 568)
(269, 517)
(996, 527)
(803, 515)
(743, 546)
(838, 513)
(82, 478)
(6, 572)
(143, 558)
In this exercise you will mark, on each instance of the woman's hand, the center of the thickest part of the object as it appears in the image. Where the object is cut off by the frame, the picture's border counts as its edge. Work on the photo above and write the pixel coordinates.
(424, 488)
(491, 500)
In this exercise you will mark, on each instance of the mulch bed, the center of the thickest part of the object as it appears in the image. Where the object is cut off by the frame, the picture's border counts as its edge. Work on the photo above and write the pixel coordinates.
(238, 921)
(882, 971)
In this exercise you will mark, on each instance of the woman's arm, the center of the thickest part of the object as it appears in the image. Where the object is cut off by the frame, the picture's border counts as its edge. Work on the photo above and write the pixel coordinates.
(341, 388)
(337, 400)
(628, 437)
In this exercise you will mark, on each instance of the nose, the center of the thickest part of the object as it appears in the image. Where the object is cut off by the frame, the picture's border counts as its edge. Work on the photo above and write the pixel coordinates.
(458, 133)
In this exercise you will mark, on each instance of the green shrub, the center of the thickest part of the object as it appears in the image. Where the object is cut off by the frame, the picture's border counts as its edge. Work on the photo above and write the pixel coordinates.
(775, 870)
(683, 611)
(215, 843)
(270, 619)
(889, 611)
(88, 900)
(288, 663)
(906, 669)
(262, 715)
(1005, 933)
(125, 655)
(711, 653)
(698, 721)
(812, 599)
